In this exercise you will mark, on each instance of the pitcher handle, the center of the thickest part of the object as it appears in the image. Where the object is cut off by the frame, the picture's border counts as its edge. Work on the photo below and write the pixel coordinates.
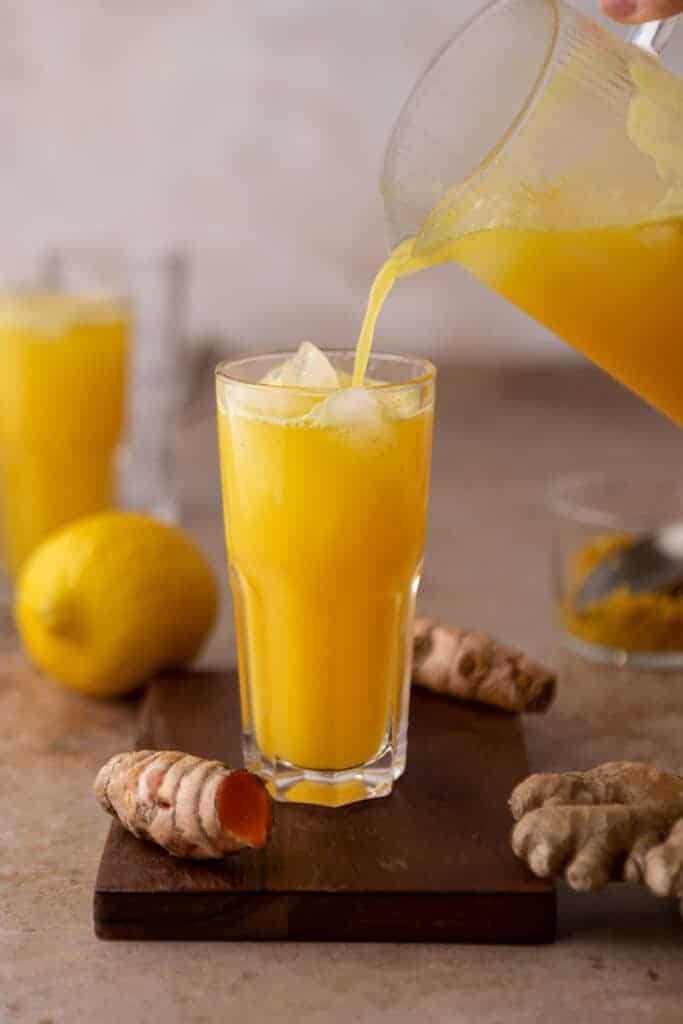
(653, 36)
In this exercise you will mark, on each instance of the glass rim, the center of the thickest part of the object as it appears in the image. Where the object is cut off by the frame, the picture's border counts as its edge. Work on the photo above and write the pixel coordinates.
(223, 371)
(144, 255)
(561, 498)
(517, 122)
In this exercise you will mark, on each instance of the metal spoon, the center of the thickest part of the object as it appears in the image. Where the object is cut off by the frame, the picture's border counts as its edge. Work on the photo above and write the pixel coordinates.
(651, 564)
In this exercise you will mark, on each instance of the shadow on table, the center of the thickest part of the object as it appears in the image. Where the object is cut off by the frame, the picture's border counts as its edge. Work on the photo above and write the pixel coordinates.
(621, 915)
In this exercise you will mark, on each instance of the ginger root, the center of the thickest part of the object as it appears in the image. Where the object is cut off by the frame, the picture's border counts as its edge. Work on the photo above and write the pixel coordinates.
(473, 666)
(189, 806)
(618, 822)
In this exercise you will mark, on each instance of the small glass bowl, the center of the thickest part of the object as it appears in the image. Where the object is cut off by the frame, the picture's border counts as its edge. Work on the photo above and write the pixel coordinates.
(594, 515)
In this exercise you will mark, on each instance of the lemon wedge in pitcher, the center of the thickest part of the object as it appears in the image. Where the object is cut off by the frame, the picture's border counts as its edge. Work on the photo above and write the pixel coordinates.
(110, 601)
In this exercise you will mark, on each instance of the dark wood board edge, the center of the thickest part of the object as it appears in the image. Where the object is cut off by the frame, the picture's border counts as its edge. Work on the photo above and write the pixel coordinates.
(324, 917)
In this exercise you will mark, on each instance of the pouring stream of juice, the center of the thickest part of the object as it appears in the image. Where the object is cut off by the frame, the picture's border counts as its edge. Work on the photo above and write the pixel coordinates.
(612, 291)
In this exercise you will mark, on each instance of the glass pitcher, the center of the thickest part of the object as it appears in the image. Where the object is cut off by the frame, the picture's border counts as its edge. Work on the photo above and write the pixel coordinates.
(545, 155)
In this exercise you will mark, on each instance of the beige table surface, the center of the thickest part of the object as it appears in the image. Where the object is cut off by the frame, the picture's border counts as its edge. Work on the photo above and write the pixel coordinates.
(501, 436)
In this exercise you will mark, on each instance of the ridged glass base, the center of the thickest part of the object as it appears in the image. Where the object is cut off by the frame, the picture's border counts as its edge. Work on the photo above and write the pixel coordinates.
(290, 783)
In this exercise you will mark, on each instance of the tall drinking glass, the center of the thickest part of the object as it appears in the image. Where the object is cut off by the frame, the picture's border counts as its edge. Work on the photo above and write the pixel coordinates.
(154, 286)
(325, 497)
(63, 368)
(90, 341)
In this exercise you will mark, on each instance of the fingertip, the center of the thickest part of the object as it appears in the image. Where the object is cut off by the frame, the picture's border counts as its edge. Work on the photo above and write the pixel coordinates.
(621, 10)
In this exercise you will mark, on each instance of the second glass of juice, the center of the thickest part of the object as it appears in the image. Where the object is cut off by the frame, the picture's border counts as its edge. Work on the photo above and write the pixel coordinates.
(62, 383)
(325, 499)
(89, 392)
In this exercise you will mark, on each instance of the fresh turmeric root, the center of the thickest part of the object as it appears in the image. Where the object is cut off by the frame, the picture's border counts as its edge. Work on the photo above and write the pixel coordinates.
(189, 806)
(473, 666)
(618, 822)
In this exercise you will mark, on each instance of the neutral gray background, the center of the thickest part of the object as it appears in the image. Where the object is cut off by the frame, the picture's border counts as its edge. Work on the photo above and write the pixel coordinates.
(249, 131)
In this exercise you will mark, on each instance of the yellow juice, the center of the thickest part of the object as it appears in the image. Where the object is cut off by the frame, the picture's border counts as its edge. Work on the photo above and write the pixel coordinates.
(325, 528)
(613, 293)
(62, 382)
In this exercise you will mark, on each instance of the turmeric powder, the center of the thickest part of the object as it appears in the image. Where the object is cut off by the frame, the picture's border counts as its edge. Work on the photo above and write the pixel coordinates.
(624, 620)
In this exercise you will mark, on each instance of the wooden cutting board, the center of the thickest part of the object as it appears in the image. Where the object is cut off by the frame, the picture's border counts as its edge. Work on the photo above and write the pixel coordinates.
(432, 862)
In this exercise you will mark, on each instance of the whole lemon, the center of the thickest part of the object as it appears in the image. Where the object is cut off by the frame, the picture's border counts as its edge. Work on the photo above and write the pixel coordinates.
(111, 600)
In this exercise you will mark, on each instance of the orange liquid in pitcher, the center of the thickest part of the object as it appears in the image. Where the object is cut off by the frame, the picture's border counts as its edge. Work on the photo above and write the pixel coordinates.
(614, 294)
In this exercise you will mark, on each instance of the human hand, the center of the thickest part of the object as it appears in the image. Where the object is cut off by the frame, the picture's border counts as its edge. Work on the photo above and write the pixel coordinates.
(636, 11)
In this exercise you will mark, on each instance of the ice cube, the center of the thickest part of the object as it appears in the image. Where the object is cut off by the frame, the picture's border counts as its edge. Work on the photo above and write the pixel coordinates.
(271, 404)
(309, 368)
(353, 408)
(400, 405)
(274, 376)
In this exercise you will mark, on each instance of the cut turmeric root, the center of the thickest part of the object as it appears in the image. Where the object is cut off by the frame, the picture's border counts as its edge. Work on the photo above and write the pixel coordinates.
(189, 806)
